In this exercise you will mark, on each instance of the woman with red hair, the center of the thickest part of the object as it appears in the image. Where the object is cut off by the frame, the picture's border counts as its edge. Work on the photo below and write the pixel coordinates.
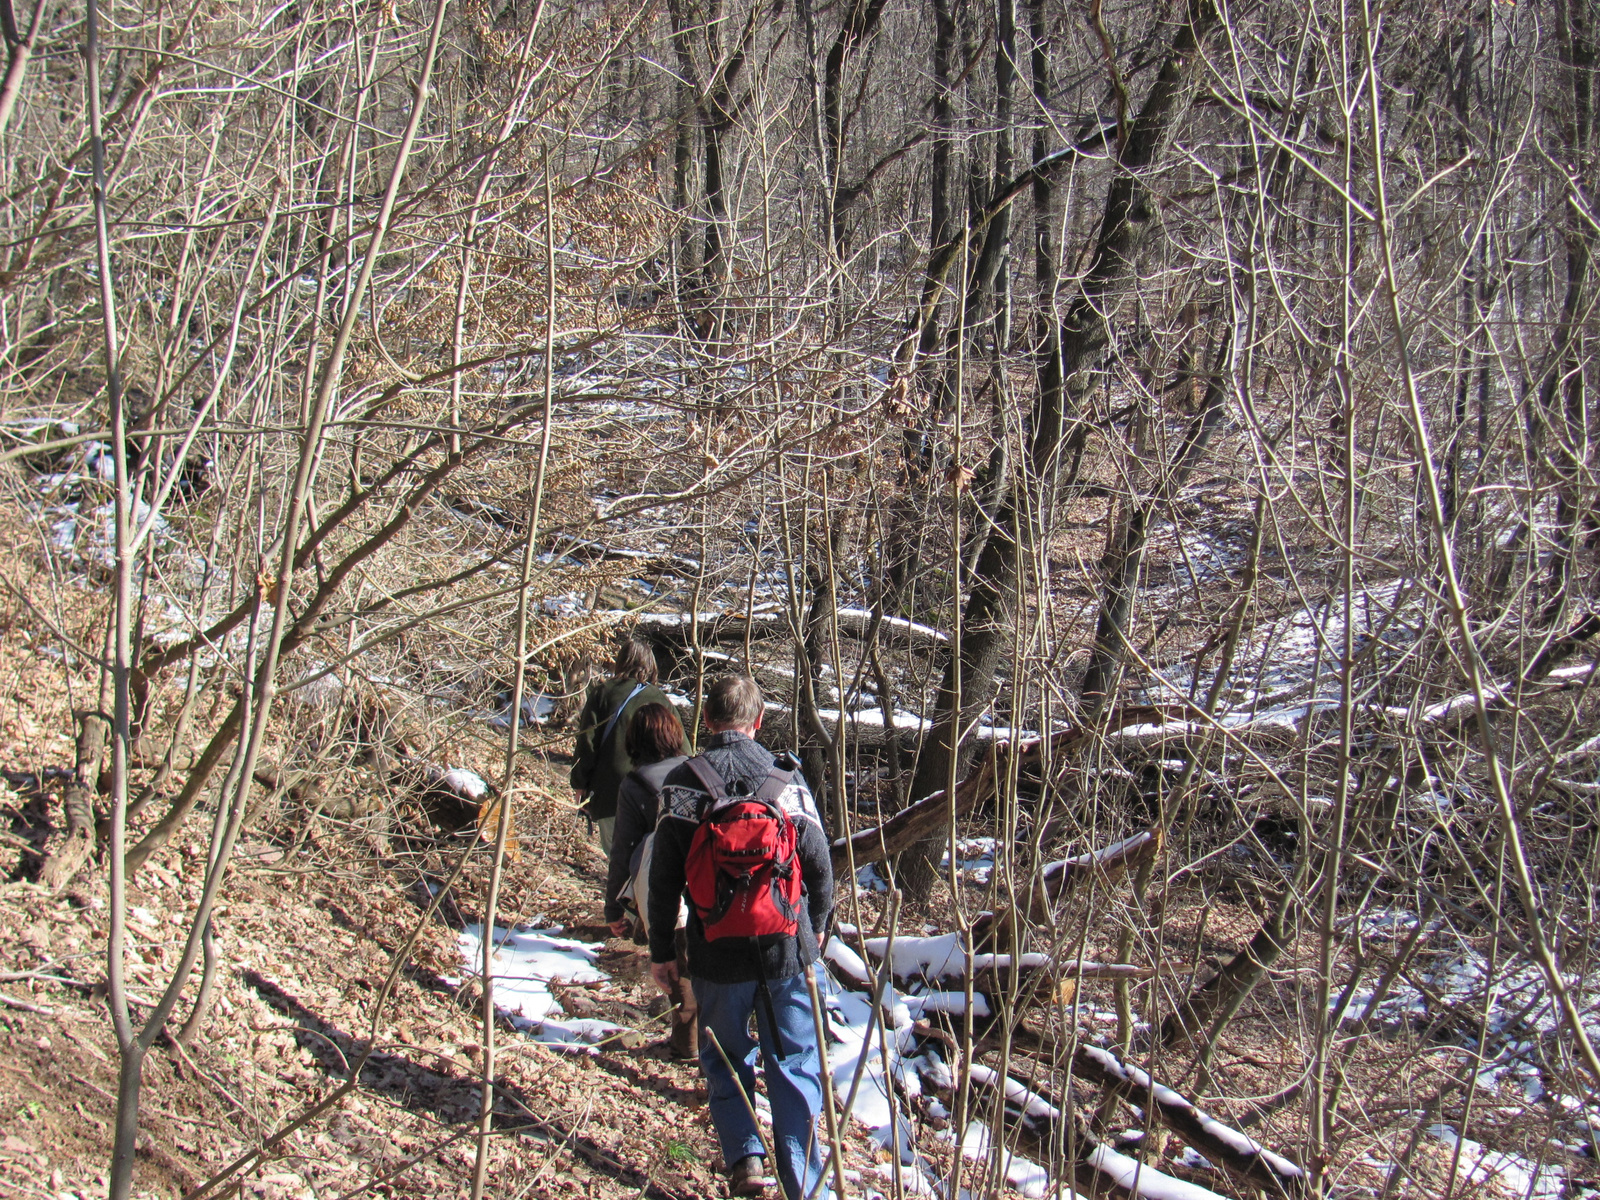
(655, 743)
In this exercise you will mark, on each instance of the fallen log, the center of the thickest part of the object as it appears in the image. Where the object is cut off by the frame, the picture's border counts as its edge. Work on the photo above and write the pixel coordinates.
(918, 821)
(1037, 1112)
(1059, 879)
(1226, 991)
(945, 956)
(1098, 1169)
(586, 550)
(77, 802)
(1240, 1156)
(733, 626)
(943, 961)
(863, 727)
(1270, 730)
(1103, 1171)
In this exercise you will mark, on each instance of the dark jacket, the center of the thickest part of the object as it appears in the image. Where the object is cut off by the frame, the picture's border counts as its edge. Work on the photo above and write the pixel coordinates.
(636, 820)
(600, 768)
(743, 765)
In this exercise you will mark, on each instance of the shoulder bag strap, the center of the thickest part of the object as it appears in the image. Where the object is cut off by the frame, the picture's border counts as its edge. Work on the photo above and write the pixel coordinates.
(616, 716)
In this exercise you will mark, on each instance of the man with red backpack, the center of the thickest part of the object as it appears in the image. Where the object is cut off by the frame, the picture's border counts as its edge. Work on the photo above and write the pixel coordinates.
(739, 835)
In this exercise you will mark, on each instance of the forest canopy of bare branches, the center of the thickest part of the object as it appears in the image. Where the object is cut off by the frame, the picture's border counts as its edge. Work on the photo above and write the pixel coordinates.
(1154, 439)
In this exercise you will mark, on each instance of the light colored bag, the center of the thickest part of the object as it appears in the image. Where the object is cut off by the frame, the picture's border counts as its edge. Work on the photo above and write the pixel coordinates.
(635, 894)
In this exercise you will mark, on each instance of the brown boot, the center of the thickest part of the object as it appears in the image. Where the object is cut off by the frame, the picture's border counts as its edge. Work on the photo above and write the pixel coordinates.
(686, 1021)
(747, 1177)
(685, 1044)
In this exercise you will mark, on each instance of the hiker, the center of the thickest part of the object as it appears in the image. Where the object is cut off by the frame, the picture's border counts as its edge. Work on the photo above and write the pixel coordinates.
(600, 755)
(738, 970)
(654, 743)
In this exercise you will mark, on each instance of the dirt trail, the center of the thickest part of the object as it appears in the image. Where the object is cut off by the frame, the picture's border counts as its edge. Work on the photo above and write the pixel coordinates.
(306, 942)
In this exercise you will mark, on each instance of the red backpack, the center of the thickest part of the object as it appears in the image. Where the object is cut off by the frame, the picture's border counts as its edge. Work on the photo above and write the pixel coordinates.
(743, 867)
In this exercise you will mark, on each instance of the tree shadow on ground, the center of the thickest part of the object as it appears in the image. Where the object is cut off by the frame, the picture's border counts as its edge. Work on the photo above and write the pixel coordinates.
(451, 1099)
(30, 825)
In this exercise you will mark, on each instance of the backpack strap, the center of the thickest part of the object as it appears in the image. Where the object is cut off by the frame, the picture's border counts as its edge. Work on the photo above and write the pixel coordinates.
(773, 785)
(709, 779)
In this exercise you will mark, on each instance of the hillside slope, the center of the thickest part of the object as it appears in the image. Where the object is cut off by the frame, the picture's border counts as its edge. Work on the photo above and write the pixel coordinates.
(306, 937)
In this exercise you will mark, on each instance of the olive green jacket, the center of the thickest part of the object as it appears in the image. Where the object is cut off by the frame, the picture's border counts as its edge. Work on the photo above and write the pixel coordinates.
(600, 763)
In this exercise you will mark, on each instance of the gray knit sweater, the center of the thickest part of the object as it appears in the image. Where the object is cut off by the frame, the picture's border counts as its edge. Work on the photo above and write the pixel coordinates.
(743, 766)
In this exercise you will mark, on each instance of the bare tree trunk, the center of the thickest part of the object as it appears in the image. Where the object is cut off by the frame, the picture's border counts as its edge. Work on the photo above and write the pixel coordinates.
(1563, 418)
(1046, 268)
(1084, 333)
(19, 49)
(860, 22)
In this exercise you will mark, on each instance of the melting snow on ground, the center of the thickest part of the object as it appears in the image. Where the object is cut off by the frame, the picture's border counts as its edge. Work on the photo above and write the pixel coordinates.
(1279, 660)
(857, 1050)
(526, 963)
(866, 1052)
(1029, 1178)
(1521, 1010)
(1515, 1174)
(975, 858)
(1523, 1026)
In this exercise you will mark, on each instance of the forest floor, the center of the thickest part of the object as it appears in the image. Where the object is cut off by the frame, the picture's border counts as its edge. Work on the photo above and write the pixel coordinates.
(315, 920)
(307, 934)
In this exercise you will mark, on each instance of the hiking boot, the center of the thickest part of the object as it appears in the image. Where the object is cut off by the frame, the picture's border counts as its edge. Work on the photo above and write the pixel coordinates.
(685, 1043)
(747, 1177)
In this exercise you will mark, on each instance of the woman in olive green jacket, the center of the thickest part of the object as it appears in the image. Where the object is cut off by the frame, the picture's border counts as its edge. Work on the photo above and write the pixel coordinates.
(600, 751)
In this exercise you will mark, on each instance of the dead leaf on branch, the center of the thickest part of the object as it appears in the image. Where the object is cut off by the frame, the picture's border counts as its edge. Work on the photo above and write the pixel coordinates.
(959, 477)
(897, 399)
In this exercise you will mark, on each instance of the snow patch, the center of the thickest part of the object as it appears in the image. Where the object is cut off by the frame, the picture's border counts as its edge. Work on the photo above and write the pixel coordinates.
(1532, 1181)
(975, 858)
(526, 963)
(1027, 1177)
(858, 1049)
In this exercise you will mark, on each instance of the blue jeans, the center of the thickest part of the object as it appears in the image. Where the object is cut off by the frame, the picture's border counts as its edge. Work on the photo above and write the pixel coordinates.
(794, 1081)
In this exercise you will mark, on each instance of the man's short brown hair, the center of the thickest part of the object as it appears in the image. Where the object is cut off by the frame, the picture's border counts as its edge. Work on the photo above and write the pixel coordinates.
(732, 702)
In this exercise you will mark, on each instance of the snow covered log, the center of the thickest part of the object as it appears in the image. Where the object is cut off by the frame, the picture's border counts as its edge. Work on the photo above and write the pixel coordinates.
(1240, 1156)
(1541, 677)
(1154, 727)
(1099, 1170)
(846, 960)
(915, 822)
(1270, 729)
(455, 799)
(586, 550)
(1061, 878)
(1102, 1171)
(1036, 1111)
(863, 727)
(461, 782)
(731, 627)
(943, 961)
(1457, 710)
